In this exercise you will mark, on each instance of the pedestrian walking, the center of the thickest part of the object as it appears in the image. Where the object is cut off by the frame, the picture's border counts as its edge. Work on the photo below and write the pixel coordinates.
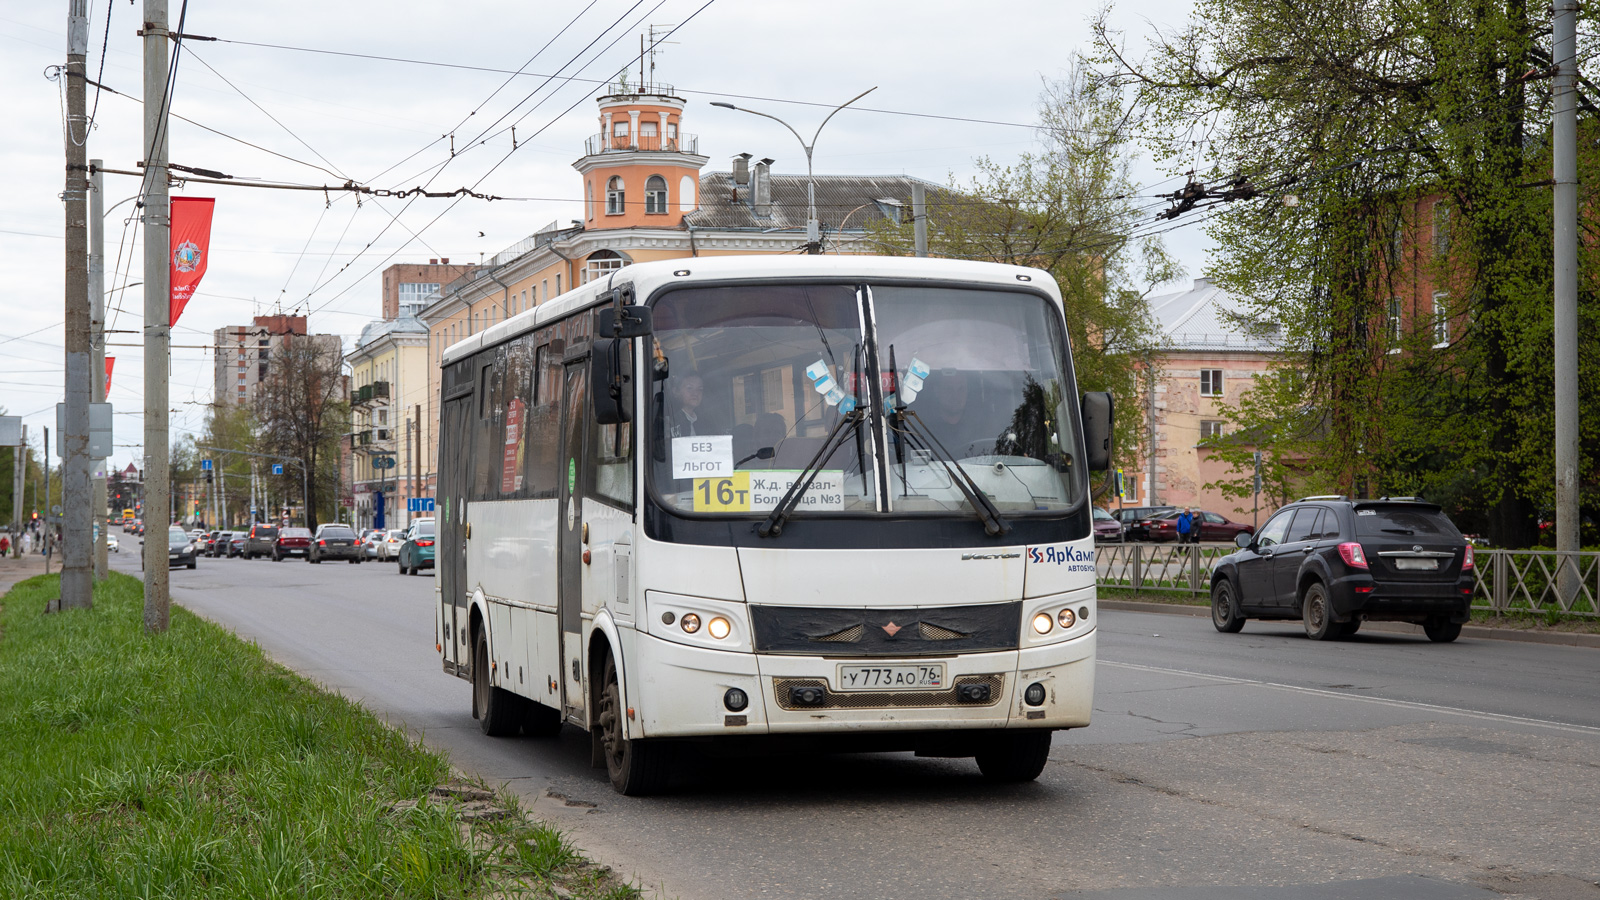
(5, 545)
(1185, 525)
(27, 542)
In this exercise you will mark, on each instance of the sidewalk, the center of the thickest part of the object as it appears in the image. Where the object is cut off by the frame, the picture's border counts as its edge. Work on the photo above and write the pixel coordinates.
(1483, 632)
(15, 570)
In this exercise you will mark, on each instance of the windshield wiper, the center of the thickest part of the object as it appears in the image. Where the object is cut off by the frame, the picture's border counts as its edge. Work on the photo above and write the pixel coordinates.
(993, 522)
(773, 526)
(1397, 530)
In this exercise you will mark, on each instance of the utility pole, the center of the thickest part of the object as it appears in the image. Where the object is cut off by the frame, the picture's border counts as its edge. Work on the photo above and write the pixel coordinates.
(49, 531)
(18, 482)
(1150, 399)
(1566, 293)
(919, 217)
(157, 329)
(97, 341)
(77, 573)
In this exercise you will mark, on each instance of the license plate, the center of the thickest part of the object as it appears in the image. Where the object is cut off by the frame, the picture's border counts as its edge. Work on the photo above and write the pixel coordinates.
(1405, 564)
(919, 677)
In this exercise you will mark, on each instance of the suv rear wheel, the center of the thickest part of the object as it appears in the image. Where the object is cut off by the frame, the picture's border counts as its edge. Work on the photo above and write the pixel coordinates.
(1318, 614)
(1441, 631)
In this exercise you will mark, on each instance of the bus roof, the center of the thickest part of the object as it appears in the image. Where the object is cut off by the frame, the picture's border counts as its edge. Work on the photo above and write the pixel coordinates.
(648, 276)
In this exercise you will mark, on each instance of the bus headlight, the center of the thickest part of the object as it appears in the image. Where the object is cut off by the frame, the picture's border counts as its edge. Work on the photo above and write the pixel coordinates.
(1042, 623)
(1067, 618)
(718, 628)
(689, 622)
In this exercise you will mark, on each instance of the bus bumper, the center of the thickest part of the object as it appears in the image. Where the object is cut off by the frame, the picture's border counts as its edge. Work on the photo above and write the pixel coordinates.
(680, 691)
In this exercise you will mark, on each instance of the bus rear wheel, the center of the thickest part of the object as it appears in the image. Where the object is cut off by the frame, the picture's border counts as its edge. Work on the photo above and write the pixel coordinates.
(1015, 756)
(497, 711)
(636, 768)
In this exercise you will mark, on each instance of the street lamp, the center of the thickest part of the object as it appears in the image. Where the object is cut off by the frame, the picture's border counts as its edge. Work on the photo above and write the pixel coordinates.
(813, 230)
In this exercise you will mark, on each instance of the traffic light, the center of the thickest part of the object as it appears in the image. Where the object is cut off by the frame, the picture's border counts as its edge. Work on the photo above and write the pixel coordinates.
(208, 476)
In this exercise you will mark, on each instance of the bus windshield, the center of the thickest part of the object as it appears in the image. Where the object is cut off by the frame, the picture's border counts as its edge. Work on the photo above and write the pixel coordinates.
(973, 393)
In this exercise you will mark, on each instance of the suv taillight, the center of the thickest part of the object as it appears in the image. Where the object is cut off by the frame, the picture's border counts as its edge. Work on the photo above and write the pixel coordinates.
(1352, 554)
(1466, 560)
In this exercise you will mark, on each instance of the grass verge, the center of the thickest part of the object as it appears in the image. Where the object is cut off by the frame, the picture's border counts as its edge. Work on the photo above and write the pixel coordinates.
(188, 765)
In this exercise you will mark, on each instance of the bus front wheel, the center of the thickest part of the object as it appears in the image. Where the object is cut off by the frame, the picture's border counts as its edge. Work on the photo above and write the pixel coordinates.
(1015, 756)
(636, 767)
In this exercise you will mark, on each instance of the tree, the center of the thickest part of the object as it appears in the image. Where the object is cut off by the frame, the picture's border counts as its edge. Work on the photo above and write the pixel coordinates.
(1413, 137)
(1069, 209)
(301, 413)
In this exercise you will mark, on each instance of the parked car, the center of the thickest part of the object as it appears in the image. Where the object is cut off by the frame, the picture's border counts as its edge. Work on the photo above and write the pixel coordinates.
(260, 541)
(1334, 563)
(180, 549)
(291, 542)
(1106, 527)
(236, 543)
(335, 541)
(1213, 527)
(1135, 520)
(417, 550)
(112, 543)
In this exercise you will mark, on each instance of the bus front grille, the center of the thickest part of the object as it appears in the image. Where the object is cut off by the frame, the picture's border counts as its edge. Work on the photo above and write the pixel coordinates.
(782, 687)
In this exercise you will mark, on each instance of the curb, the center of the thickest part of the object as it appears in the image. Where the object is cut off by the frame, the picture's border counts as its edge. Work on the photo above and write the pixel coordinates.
(1479, 632)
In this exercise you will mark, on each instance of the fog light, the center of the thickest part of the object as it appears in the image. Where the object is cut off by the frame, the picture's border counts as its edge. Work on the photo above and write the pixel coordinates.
(668, 618)
(1042, 623)
(689, 622)
(718, 628)
(972, 693)
(1083, 613)
(806, 696)
(1034, 695)
(735, 699)
(1067, 618)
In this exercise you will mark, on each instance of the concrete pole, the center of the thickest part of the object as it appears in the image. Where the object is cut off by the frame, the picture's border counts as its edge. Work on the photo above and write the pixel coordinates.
(157, 330)
(97, 339)
(919, 218)
(1150, 399)
(49, 531)
(1566, 290)
(18, 482)
(77, 570)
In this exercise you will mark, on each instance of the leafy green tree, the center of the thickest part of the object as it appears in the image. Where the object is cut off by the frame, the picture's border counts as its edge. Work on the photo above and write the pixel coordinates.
(1070, 209)
(1391, 144)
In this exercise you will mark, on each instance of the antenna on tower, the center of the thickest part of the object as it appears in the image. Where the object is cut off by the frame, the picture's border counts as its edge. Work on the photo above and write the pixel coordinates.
(651, 51)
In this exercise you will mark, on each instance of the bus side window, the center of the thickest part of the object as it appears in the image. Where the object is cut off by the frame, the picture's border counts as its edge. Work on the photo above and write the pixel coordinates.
(544, 421)
(613, 461)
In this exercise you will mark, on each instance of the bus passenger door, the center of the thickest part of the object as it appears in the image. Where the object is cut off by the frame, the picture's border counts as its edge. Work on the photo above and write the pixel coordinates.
(455, 461)
(569, 554)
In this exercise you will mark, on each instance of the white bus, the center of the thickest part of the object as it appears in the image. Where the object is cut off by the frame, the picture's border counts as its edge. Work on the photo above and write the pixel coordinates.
(840, 497)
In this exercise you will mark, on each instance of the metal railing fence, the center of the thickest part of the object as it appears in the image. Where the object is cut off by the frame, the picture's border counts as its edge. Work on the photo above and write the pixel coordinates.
(1505, 581)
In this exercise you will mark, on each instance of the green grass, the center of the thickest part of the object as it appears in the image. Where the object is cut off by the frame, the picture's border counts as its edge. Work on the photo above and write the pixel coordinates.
(187, 765)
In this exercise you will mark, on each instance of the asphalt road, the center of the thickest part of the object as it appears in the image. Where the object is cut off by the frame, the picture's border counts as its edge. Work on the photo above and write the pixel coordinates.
(1260, 765)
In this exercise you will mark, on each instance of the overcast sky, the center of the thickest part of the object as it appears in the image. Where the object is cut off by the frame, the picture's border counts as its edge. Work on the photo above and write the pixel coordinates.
(363, 118)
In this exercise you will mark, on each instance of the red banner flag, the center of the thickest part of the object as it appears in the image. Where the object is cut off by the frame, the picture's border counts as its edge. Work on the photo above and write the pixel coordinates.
(191, 244)
(110, 361)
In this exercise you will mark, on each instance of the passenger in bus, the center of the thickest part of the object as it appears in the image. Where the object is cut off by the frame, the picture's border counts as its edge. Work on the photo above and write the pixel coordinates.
(687, 395)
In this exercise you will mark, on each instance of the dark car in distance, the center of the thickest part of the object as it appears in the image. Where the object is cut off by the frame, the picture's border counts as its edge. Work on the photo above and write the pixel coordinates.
(1334, 563)
(1106, 527)
(1213, 527)
(292, 542)
(181, 550)
(235, 544)
(335, 541)
(261, 540)
(1135, 520)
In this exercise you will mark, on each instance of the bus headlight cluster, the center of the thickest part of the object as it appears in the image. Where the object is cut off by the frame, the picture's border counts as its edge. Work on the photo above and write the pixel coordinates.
(1065, 618)
(718, 627)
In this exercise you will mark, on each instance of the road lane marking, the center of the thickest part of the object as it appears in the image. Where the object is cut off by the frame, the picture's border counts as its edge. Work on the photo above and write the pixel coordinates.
(1574, 728)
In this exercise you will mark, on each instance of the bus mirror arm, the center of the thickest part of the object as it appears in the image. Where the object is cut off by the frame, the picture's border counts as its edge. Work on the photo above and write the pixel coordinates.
(624, 322)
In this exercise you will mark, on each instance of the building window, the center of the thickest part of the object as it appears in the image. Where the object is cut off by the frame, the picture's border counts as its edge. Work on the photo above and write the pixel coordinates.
(1441, 229)
(558, 285)
(1441, 319)
(616, 201)
(1392, 320)
(414, 296)
(544, 287)
(1211, 382)
(619, 129)
(602, 263)
(672, 131)
(588, 200)
(1210, 428)
(655, 195)
(647, 129)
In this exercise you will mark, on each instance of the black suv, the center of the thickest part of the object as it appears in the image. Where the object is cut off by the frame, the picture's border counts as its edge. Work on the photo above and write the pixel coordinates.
(1333, 563)
(261, 541)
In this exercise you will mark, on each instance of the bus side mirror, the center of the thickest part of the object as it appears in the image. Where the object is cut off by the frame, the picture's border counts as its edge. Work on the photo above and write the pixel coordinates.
(1097, 415)
(611, 380)
(623, 322)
